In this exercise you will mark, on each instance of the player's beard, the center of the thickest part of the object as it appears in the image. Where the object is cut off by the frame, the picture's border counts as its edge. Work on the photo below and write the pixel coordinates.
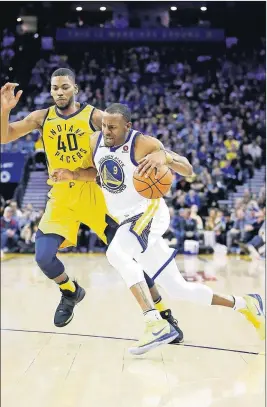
(109, 143)
(113, 141)
(67, 105)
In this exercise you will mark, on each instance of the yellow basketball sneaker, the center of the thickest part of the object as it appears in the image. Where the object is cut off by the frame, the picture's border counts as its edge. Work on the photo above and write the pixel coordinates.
(254, 312)
(156, 333)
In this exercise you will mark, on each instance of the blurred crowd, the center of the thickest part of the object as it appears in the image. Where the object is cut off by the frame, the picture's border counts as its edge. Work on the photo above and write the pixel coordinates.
(18, 227)
(210, 108)
(240, 230)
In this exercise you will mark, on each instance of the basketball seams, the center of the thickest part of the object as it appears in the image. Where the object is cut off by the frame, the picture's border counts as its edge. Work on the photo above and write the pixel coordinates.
(140, 180)
(153, 186)
(153, 182)
(161, 183)
(163, 175)
(144, 182)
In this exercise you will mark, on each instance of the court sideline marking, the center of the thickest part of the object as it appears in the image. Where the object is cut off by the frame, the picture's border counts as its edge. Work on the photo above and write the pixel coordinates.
(127, 339)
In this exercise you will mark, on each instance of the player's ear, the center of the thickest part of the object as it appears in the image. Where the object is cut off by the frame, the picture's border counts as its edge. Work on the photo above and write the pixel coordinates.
(129, 125)
(76, 89)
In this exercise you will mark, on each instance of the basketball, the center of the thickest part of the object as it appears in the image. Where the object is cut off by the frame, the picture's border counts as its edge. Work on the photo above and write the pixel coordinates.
(152, 188)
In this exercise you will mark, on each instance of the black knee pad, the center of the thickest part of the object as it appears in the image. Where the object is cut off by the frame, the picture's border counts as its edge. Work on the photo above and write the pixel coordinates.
(46, 247)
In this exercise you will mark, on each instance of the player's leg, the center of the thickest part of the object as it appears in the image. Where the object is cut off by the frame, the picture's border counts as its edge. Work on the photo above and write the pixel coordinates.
(158, 262)
(59, 228)
(120, 255)
(163, 309)
(94, 213)
(46, 247)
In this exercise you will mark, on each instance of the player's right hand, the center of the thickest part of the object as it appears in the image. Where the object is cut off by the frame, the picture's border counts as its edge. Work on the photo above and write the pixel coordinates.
(8, 98)
(62, 174)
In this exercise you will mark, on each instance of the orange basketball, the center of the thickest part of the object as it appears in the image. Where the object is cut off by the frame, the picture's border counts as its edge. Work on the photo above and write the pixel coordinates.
(152, 188)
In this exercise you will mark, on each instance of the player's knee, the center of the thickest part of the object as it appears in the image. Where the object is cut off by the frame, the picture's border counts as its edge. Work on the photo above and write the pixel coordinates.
(49, 264)
(113, 256)
(43, 259)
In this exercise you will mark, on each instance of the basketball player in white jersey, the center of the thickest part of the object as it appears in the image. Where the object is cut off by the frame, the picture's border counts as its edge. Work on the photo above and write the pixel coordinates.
(138, 244)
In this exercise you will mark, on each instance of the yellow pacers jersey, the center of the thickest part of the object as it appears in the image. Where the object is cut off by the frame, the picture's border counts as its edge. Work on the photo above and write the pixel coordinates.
(66, 139)
(66, 142)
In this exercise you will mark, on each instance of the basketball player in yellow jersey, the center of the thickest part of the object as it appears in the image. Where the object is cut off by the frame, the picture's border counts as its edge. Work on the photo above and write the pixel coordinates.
(66, 128)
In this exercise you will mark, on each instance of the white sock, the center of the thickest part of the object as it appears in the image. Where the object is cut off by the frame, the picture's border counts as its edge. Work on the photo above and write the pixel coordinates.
(152, 315)
(240, 303)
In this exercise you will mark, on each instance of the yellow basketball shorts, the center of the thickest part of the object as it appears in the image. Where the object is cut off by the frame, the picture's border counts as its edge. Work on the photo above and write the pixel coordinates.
(72, 203)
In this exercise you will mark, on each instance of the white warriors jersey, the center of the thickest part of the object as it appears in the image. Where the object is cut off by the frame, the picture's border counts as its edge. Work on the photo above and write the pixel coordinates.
(116, 166)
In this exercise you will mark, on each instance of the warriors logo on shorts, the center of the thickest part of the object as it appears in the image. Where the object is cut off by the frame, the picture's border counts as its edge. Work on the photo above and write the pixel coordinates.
(112, 175)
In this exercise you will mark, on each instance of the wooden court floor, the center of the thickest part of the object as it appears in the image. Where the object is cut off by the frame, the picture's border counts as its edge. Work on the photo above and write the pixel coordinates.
(87, 364)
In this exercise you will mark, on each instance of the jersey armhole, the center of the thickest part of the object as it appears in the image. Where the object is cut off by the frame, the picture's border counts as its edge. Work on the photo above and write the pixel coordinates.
(90, 120)
(47, 113)
(132, 149)
(97, 145)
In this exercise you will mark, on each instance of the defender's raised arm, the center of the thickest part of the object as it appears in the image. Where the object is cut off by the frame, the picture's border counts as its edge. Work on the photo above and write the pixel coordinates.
(13, 131)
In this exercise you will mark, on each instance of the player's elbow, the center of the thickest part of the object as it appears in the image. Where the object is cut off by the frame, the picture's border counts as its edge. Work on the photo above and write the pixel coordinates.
(188, 170)
(7, 136)
(4, 139)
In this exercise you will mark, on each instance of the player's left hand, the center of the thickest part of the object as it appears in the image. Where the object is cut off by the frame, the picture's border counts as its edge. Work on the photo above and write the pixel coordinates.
(150, 162)
(61, 174)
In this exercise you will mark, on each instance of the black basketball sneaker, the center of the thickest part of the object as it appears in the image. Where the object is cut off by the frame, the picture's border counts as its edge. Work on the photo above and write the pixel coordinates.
(64, 312)
(167, 314)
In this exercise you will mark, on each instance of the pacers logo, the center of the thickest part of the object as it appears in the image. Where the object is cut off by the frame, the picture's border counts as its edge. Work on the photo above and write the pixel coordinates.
(112, 175)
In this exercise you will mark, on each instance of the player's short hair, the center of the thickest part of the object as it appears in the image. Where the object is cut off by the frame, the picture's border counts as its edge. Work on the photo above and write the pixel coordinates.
(119, 108)
(64, 72)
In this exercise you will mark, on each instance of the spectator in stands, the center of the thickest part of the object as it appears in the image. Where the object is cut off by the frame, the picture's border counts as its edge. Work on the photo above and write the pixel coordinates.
(190, 226)
(212, 123)
(229, 223)
(177, 228)
(17, 214)
(232, 154)
(229, 176)
(202, 155)
(210, 223)
(220, 228)
(27, 236)
(246, 197)
(262, 197)
(29, 215)
(217, 175)
(178, 200)
(194, 215)
(253, 226)
(256, 245)
(192, 198)
(9, 231)
(230, 142)
(238, 229)
(256, 153)
(246, 162)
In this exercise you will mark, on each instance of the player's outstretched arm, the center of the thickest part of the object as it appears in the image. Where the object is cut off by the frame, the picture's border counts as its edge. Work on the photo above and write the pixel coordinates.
(150, 154)
(13, 131)
(80, 174)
